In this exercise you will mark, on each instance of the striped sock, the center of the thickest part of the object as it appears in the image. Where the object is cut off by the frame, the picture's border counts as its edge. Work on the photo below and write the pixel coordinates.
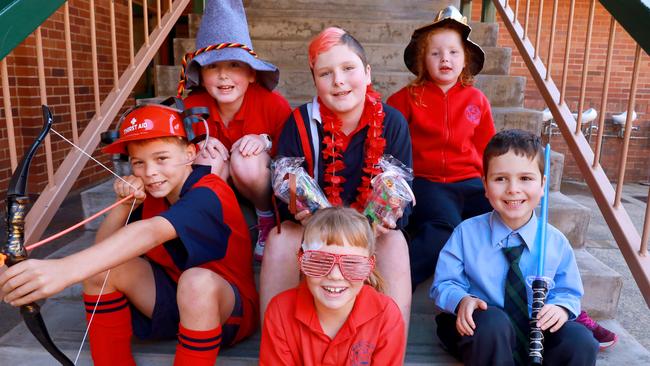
(197, 347)
(110, 331)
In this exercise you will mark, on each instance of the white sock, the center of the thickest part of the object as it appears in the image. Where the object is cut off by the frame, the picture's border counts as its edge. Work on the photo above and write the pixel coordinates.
(263, 213)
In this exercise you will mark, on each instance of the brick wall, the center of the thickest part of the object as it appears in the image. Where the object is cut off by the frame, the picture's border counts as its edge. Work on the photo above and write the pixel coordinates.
(638, 166)
(25, 95)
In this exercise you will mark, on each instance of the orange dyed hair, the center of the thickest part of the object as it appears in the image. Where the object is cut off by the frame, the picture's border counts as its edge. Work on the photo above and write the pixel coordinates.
(331, 37)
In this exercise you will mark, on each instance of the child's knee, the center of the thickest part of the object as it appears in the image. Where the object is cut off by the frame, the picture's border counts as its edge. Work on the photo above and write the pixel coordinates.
(199, 286)
(492, 322)
(249, 168)
(283, 244)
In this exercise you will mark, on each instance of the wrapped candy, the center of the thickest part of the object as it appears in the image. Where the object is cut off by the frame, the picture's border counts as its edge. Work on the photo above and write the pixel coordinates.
(287, 172)
(391, 192)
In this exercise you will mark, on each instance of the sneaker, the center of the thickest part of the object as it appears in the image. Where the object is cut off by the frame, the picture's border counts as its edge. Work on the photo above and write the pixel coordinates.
(605, 337)
(264, 225)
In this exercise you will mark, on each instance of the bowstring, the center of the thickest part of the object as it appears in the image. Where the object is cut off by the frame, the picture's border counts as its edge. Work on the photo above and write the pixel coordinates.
(108, 272)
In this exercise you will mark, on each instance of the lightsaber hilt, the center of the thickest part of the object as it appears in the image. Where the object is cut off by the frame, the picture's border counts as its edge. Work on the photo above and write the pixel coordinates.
(536, 336)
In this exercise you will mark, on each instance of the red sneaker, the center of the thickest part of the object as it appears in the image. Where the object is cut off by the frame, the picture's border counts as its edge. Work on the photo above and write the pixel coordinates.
(605, 337)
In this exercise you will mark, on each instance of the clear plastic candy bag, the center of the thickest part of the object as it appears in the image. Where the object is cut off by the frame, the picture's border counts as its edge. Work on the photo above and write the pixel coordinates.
(309, 196)
(391, 192)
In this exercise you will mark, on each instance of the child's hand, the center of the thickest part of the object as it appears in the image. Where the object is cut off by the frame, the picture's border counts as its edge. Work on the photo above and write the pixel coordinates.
(123, 189)
(214, 150)
(33, 280)
(464, 322)
(387, 224)
(303, 216)
(250, 145)
(552, 316)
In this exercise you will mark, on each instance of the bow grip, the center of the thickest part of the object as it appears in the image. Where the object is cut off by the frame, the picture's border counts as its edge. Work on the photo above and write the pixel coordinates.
(14, 247)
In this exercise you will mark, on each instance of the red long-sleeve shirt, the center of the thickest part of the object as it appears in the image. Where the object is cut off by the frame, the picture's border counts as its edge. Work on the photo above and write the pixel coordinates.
(373, 334)
(448, 131)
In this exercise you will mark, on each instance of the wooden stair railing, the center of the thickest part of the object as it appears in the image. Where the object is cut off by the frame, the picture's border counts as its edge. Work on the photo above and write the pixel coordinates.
(61, 181)
(633, 246)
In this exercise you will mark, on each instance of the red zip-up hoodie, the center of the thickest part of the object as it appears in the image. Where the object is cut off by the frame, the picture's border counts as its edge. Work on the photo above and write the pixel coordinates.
(448, 131)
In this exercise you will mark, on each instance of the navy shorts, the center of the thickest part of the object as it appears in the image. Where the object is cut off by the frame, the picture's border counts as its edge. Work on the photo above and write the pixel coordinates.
(164, 321)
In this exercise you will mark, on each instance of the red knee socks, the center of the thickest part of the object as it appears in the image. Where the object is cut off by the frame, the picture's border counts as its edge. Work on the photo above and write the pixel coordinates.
(110, 331)
(197, 347)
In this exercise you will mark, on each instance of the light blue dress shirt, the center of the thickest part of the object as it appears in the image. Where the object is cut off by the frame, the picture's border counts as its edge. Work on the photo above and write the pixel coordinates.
(472, 263)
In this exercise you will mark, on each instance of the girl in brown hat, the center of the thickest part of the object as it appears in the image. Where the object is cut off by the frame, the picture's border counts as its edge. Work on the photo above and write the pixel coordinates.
(450, 124)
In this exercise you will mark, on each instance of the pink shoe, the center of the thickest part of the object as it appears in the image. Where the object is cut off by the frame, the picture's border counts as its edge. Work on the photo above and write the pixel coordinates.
(605, 337)
(264, 226)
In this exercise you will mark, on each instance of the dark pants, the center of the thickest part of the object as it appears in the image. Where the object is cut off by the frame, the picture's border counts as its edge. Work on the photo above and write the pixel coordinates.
(440, 208)
(493, 342)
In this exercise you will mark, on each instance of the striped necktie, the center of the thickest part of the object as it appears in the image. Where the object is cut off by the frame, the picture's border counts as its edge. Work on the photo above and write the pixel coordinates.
(515, 302)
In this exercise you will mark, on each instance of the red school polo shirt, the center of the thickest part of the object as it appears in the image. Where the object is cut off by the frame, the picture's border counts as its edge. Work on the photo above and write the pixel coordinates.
(449, 131)
(373, 334)
(262, 111)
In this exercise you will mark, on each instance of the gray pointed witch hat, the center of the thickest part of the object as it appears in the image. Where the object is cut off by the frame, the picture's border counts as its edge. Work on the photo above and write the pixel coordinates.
(224, 23)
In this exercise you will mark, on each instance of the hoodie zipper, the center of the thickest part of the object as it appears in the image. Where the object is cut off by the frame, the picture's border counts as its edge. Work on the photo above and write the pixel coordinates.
(446, 134)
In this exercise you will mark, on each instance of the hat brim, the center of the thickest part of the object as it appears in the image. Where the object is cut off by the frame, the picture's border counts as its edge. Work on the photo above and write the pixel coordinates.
(119, 146)
(268, 74)
(475, 59)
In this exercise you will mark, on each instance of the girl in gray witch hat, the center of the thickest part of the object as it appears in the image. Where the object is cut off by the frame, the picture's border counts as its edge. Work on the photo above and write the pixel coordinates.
(245, 116)
(450, 123)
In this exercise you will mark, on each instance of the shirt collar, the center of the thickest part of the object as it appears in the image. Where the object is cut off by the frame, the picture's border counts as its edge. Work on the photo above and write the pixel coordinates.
(437, 90)
(198, 172)
(314, 112)
(500, 231)
(366, 307)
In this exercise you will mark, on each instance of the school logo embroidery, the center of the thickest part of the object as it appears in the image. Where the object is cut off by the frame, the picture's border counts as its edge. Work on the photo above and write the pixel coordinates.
(361, 353)
(473, 113)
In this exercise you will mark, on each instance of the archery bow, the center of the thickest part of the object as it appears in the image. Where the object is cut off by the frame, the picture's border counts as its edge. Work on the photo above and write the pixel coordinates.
(14, 247)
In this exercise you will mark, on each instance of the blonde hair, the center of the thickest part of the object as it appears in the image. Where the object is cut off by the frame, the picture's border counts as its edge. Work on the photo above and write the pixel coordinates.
(466, 78)
(334, 225)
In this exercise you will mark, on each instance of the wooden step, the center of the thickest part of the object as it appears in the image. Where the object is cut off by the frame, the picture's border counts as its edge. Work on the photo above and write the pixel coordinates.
(264, 26)
(288, 54)
(501, 90)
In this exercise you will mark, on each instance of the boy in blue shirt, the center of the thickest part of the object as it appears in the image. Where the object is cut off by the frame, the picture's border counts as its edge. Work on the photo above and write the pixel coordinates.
(480, 323)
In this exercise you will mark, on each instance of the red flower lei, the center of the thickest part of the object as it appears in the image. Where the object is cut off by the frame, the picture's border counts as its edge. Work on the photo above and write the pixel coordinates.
(333, 150)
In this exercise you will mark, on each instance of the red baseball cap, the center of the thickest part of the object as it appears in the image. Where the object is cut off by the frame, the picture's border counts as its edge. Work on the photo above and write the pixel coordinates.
(147, 122)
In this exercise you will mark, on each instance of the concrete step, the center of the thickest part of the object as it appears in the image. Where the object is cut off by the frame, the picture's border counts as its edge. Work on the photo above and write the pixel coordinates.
(602, 287)
(501, 90)
(517, 117)
(342, 9)
(557, 168)
(398, 31)
(570, 217)
(65, 319)
(290, 54)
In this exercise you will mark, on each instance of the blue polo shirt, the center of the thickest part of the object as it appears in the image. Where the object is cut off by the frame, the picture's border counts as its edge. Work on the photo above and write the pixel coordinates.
(398, 144)
(472, 263)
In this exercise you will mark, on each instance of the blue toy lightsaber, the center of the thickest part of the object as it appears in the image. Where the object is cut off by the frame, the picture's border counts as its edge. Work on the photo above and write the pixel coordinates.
(540, 284)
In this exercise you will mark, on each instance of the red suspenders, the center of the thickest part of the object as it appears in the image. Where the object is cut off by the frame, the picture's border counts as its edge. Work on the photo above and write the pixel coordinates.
(304, 139)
